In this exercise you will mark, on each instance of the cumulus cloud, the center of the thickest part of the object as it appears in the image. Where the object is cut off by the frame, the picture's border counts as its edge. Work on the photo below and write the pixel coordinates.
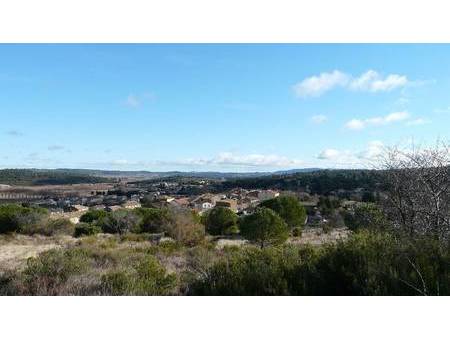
(373, 151)
(347, 158)
(319, 84)
(329, 154)
(358, 124)
(372, 81)
(228, 159)
(221, 161)
(318, 119)
(369, 81)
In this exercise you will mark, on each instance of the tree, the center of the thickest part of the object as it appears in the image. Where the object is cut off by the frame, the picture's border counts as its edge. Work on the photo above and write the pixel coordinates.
(365, 216)
(289, 209)
(120, 222)
(219, 220)
(417, 183)
(264, 227)
(153, 220)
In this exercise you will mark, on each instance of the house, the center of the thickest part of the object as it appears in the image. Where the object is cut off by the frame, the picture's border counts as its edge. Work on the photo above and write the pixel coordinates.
(131, 205)
(267, 194)
(228, 203)
(204, 202)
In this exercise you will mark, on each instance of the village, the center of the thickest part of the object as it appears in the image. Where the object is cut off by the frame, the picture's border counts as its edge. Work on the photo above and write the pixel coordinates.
(72, 201)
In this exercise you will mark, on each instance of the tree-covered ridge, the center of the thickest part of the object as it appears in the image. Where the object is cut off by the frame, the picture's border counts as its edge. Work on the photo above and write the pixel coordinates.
(46, 177)
(317, 182)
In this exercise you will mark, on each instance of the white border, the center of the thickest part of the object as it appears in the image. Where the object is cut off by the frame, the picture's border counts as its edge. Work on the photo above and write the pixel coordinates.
(224, 21)
(224, 317)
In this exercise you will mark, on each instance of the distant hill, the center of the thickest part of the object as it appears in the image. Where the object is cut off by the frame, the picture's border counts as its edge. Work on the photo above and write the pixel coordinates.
(142, 174)
(47, 177)
(75, 176)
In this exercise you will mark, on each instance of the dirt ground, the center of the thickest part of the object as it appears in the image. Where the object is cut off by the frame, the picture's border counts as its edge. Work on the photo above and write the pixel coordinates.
(16, 249)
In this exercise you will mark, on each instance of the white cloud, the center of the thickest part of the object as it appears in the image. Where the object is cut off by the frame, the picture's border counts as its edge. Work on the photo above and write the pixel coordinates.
(348, 159)
(359, 124)
(442, 110)
(329, 154)
(373, 151)
(318, 119)
(228, 159)
(418, 122)
(133, 101)
(355, 124)
(372, 81)
(319, 84)
(369, 81)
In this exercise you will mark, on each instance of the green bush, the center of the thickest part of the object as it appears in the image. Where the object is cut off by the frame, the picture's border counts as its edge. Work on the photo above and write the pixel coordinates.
(93, 215)
(120, 222)
(86, 229)
(48, 273)
(17, 218)
(153, 220)
(248, 271)
(264, 227)
(219, 220)
(184, 227)
(61, 226)
(365, 216)
(148, 278)
(368, 263)
(289, 209)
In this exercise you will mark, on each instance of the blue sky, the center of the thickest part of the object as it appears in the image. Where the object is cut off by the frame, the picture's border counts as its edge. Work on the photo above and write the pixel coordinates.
(242, 107)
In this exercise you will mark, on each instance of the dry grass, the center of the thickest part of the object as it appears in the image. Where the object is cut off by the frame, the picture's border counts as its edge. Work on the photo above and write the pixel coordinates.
(15, 249)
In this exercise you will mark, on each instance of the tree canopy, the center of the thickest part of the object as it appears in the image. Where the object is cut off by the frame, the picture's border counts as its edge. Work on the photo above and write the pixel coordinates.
(288, 208)
(219, 220)
(264, 227)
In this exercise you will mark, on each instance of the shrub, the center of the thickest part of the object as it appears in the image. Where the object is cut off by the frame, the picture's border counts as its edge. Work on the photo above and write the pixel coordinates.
(120, 222)
(365, 216)
(288, 208)
(50, 228)
(17, 218)
(219, 219)
(264, 227)
(368, 263)
(47, 274)
(153, 220)
(148, 278)
(86, 229)
(93, 215)
(247, 271)
(184, 227)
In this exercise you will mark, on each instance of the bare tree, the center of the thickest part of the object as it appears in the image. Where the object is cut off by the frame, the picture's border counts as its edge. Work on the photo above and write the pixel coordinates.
(418, 190)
